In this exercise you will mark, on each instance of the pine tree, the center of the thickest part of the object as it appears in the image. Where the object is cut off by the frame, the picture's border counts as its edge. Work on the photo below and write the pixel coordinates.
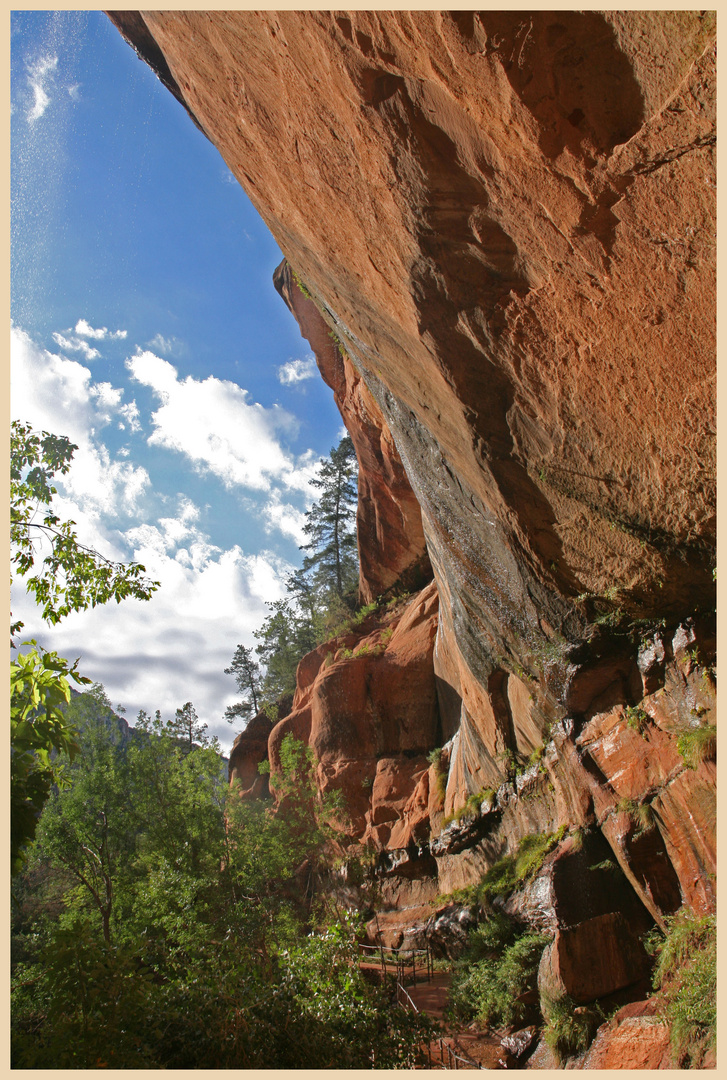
(186, 725)
(331, 525)
(247, 677)
(284, 638)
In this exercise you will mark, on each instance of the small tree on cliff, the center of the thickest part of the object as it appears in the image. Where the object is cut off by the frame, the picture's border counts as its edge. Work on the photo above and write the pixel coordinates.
(284, 638)
(331, 525)
(247, 677)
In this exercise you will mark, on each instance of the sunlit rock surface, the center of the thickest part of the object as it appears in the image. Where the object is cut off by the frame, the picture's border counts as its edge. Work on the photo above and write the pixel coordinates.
(499, 231)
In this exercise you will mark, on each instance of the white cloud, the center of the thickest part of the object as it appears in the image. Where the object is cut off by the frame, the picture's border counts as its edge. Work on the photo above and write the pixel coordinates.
(284, 517)
(296, 371)
(85, 329)
(38, 74)
(162, 344)
(75, 92)
(212, 422)
(55, 394)
(130, 413)
(173, 648)
(76, 345)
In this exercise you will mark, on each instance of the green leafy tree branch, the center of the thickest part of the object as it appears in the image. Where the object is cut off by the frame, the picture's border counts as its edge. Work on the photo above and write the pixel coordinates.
(70, 577)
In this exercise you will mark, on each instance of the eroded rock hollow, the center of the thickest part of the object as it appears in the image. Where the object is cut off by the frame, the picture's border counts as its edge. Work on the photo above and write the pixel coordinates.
(503, 224)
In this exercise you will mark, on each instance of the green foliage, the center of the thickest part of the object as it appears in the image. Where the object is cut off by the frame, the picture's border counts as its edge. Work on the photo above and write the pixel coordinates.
(570, 1028)
(331, 524)
(686, 976)
(300, 285)
(697, 745)
(186, 727)
(435, 758)
(39, 688)
(511, 871)
(641, 814)
(247, 677)
(210, 961)
(637, 719)
(471, 807)
(71, 576)
(607, 864)
(500, 964)
(285, 637)
(364, 612)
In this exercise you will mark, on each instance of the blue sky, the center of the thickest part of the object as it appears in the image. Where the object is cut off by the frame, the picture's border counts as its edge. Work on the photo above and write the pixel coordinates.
(147, 329)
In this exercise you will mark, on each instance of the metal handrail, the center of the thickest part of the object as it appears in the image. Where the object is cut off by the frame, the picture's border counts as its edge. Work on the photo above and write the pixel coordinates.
(453, 1057)
(388, 948)
(406, 994)
(408, 960)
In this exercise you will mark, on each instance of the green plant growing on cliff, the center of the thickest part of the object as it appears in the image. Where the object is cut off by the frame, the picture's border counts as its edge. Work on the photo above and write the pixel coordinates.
(435, 758)
(685, 979)
(641, 814)
(500, 964)
(508, 873)
(637, 719)
(300, 284)
(697, 745)
(569, 1028)
(471, 807)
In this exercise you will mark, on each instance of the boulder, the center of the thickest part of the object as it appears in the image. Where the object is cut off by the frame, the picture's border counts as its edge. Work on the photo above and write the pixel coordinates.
(635, 1038)
(591, 959)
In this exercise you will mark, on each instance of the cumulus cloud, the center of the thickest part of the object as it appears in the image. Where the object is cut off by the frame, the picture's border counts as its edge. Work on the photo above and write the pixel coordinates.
(212, 422)
(173, 648)
(39, 75)
(296, 371)
(284, 517)
(130, 413)
(76, 345)
(86, 330)
(58, 395)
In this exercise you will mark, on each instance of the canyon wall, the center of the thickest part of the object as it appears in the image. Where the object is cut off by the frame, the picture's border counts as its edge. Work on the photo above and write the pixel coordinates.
(499, 239)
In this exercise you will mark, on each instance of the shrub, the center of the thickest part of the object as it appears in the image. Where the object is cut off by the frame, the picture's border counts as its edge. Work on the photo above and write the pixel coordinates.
(435, 758)
(608, 865)
(697, 745)
(512, 870)
(636, 719)
(570, 1028)
(686, 976)
(301, 286)
(499, 966)
(641, 814)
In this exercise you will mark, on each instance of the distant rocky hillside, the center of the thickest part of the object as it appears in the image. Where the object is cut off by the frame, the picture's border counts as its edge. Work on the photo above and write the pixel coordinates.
(499, 230)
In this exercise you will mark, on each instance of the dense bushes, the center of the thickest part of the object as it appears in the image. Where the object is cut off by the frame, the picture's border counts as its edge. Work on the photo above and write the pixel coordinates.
(685, 975)
(500, 964)
(148, 935)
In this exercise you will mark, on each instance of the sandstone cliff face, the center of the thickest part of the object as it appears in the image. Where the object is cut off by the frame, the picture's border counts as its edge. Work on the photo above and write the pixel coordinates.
(506, 221)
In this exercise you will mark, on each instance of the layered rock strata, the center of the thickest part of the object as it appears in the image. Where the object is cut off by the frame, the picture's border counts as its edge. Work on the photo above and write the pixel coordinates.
(499, 238)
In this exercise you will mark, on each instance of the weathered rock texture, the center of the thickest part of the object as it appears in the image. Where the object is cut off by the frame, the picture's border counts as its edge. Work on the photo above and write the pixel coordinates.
(499, 240)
